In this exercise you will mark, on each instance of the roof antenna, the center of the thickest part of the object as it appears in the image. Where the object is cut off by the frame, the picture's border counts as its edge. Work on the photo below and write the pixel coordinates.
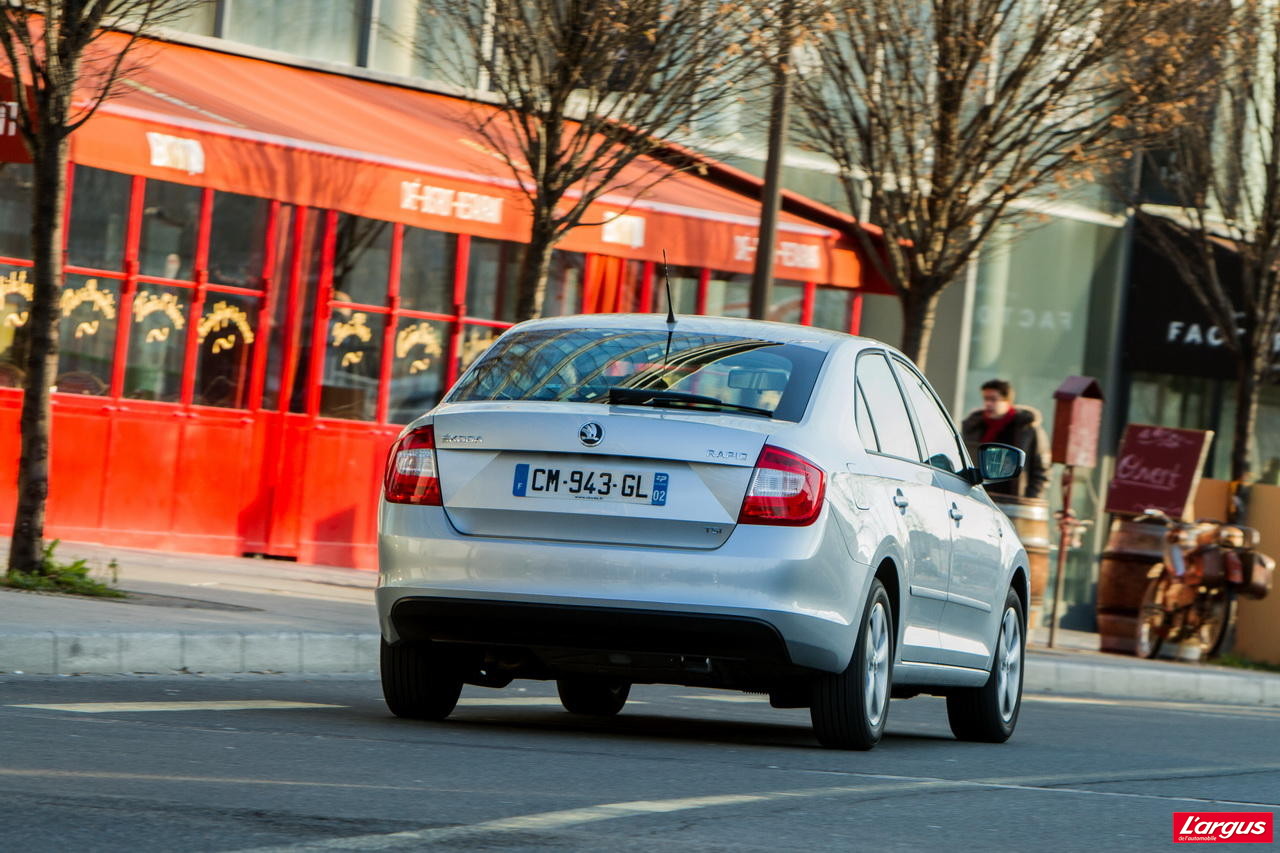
(671, 310)
(666, 273)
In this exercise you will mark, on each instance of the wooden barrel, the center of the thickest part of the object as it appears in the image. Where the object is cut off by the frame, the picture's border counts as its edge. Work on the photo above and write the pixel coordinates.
(1132, 548)
(1030, 517)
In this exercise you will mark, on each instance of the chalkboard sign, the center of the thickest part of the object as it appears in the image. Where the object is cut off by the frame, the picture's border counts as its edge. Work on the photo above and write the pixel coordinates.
(1158, 468)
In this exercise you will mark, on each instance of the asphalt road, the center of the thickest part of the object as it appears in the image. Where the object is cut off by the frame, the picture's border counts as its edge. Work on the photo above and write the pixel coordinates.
(290, 764)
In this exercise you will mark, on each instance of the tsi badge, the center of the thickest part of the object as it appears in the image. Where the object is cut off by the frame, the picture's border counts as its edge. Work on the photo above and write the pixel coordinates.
(591, 434)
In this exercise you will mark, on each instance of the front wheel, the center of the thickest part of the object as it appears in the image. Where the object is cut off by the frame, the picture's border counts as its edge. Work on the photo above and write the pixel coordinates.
(989, 713)
(849, 708)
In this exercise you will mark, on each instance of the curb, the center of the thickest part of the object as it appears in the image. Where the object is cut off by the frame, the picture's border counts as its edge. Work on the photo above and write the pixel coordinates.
(286, 652)
(1159, 683)
(312, 653)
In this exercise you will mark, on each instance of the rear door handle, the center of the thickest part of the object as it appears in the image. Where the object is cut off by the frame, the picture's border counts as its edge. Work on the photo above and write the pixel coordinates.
(900, 500)
(955, 513)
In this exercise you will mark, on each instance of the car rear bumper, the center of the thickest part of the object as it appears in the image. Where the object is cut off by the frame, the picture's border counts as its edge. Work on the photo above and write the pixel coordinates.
(773, 595)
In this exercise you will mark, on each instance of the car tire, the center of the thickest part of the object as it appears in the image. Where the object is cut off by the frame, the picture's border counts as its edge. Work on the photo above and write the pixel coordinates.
(418, 681)
(849, 708)
(989, 714)
(593, 697)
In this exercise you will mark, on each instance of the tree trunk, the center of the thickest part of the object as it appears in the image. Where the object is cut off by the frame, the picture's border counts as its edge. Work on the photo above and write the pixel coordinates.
(1248, 391)
(50, 194)
(919, 312)
(535, 266)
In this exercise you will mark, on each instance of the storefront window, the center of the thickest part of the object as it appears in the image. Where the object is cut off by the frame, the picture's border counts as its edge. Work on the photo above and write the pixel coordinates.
(832, 307)
(564, 284)
(226, 336)
(321, 29)
(728, 294)
(99, 217)
(1030, 318)
(417, 368)
(157, 343)
(15, 210)
(88, 310)
(684, 289)
(361, 260)
(16, 293)
(289, 351)
(612, 285)
(786, 301)
(427, 260)
(475, 340)
(492, 276)
(352, 364)
(237, 240)
(170, 222)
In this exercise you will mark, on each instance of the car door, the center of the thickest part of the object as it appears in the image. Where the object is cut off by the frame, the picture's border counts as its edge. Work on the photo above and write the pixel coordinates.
(966, 626)
(899, 490)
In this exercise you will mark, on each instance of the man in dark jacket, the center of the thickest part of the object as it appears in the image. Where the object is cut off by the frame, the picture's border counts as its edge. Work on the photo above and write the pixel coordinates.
(1000, 421)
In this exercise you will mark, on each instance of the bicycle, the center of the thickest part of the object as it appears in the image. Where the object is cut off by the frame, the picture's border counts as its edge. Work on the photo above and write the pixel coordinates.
(1191, 595)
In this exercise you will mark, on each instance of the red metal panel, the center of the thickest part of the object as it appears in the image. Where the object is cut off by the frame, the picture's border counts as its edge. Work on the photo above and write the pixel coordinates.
(10, 450)
(646, 287)
(201, 276)
(389, 329)
(141, 463)
(340, 484)
(211, 495)
(855, 314)
(77, 476)
(806, 308)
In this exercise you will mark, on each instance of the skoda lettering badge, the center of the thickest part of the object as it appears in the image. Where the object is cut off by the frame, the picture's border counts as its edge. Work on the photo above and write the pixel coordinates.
(591, 434)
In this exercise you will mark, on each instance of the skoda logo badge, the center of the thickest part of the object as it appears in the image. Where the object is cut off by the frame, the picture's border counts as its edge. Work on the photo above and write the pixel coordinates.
(591, 434)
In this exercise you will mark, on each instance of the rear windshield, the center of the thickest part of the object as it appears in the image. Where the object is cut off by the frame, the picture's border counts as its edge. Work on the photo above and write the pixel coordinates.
(581, 365)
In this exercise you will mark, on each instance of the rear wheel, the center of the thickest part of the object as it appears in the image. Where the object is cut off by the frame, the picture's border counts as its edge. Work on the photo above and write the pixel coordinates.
(419, 682)
(595, 697)
(1217, 618)
(989, 713)
(849, 708)
(1153, 619)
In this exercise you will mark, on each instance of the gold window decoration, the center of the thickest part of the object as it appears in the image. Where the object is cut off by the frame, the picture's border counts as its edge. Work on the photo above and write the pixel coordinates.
(222, 316)
(99, 301)
(418, 335)
(16, 284)
(148, 302)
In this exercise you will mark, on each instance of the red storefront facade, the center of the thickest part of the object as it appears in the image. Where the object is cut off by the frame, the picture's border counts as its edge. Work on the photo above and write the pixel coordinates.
(271, 269)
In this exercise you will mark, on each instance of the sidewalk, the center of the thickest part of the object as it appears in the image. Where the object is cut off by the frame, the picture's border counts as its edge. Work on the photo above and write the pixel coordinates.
(200, 614)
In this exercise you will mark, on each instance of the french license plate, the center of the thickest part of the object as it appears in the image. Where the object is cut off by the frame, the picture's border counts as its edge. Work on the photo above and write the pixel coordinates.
(597, 484)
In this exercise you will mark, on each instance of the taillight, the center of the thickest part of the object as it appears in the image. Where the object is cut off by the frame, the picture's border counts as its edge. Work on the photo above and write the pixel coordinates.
(411, 476)
(785, 489)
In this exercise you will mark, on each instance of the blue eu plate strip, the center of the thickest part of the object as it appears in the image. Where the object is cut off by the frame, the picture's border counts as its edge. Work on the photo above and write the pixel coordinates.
(521, 484)
(658, 497)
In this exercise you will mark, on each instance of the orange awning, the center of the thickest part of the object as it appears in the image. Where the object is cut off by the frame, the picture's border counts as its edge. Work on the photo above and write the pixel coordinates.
(312, 138)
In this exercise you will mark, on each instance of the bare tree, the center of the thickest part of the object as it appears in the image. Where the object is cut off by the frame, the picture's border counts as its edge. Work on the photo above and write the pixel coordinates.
(61, 72)
(1219, 176)
(944, 117)
(581, 91)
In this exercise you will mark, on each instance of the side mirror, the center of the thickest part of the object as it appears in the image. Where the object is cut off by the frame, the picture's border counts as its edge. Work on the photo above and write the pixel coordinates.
(997, 462)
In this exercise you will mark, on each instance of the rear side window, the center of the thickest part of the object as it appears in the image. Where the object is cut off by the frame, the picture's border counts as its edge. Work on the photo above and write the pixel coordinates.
(888, 414)
(942, 447)
(577, 365)
(866, 429)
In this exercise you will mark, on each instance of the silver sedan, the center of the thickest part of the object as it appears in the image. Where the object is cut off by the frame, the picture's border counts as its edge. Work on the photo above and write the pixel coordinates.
(616, 499)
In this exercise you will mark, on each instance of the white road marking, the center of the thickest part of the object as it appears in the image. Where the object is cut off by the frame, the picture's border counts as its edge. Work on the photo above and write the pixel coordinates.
(564, 819)
(136, 707)
(1205, 708)
(745, 698)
